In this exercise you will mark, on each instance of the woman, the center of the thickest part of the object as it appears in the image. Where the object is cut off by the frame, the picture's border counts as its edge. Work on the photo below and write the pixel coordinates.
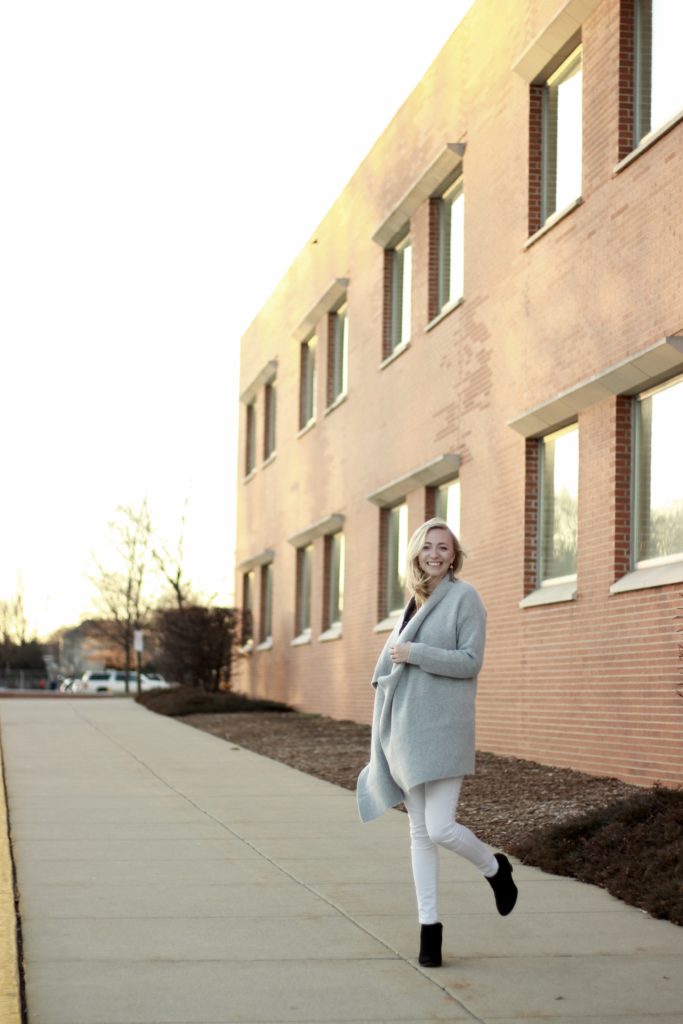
(423, 724)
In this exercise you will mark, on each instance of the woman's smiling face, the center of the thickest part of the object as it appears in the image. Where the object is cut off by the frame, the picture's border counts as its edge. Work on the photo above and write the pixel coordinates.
(437, 554)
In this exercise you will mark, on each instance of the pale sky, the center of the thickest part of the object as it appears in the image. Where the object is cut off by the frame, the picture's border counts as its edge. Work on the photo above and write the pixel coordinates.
(163, 163)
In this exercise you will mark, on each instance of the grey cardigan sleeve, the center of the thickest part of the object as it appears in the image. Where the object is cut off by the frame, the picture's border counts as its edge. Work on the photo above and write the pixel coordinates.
(464, 661)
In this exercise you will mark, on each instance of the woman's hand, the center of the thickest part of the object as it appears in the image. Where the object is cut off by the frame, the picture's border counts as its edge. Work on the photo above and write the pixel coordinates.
(399, 653)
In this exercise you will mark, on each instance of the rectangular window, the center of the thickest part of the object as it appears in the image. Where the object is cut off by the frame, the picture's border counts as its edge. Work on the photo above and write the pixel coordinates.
(658, 80)
(337, 354)
(401, 271)
(562, 134)
(658, 476)
(270, 402)
(247, 608)
(266, 616)
(451, 250)
(307, 378)
(558, 506)
(334, 580)
(250, 439)
(304, 558)
(447, 504)
(396, 541)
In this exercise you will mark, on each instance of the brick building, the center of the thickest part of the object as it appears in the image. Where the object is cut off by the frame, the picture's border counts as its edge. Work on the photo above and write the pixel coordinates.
(488, 323)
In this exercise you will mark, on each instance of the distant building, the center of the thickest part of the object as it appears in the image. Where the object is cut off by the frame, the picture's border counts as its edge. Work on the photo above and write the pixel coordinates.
(86, 647)
(488, 324)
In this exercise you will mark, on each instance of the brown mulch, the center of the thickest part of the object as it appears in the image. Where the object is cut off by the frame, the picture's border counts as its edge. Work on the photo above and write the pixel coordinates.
(624, 838)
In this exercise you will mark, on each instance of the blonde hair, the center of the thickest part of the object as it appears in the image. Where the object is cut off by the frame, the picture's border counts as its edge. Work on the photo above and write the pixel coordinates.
(417, 581)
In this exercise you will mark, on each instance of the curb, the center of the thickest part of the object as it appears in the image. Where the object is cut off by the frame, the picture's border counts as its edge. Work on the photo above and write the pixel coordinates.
(10, 980)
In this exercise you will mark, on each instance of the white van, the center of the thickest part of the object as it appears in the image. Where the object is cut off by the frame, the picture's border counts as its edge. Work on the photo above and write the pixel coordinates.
(112, 680)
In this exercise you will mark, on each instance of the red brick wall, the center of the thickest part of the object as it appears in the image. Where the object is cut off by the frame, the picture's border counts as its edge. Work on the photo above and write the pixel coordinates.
(532, 483)
(535, 157)
(433, 260)
(589, 683)
(387, 303)
(626, 76)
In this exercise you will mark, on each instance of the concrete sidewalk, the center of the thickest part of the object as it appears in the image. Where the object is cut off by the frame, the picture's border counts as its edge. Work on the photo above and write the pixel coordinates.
(169, 876)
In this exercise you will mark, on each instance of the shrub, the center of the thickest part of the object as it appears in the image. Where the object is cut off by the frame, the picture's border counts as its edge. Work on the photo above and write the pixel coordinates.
(186, 700)
(634, 849)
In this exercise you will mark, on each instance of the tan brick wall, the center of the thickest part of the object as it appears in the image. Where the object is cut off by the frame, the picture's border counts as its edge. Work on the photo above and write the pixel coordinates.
(589, 683)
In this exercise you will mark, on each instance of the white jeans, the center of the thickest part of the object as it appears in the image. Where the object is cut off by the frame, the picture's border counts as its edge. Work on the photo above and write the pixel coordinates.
(431, 808)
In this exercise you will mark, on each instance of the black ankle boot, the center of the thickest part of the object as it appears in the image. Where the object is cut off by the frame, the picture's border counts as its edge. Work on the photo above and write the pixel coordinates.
(430, 945)
(504, 889)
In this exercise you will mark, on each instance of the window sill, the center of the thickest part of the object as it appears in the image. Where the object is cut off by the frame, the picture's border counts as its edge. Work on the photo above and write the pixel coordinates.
(554, 219)
(245, 650)
(271, 458)
(398, 351)
(333, 633)
(556, 593)
(265, 645)
(305, 430)
(250, 476)
(648, 141)
(301, 639)
(339, 400)
(442, 314)
(649, 576)
(386, 625)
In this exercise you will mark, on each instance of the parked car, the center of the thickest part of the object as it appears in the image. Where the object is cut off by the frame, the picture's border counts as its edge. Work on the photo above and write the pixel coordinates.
(157, 679)
(114, 681)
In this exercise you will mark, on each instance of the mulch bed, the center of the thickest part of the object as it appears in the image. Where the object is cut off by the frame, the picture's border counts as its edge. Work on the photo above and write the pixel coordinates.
(624, 838)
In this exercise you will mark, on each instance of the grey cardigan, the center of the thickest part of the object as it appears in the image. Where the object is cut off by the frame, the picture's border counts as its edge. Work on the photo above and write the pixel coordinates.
(423, 721)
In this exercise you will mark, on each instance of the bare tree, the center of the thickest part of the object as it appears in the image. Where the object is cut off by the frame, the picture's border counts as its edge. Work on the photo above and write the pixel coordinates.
(13, 620)
(6, 632)
(19, 613)
(20, 649)
(170, 564)
(121, 589)
(13, 624)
